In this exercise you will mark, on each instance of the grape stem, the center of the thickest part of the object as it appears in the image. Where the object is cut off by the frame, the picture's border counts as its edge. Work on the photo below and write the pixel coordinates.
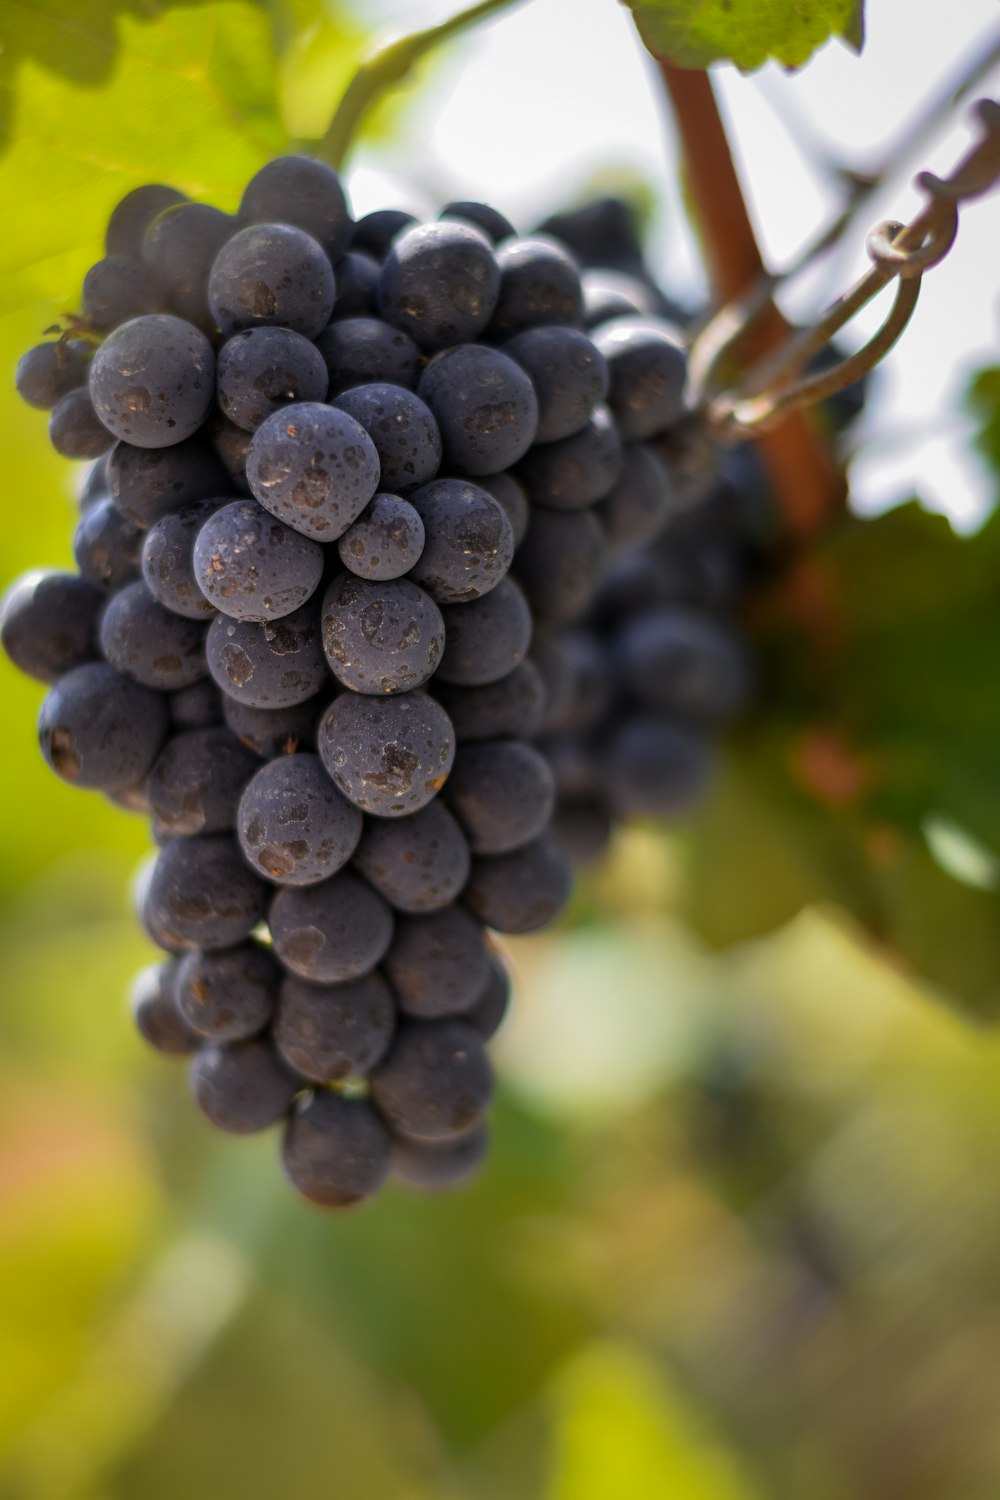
(809, 486)
(387, 67)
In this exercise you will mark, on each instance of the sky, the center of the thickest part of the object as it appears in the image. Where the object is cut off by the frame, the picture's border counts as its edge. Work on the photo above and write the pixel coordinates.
(532, 107)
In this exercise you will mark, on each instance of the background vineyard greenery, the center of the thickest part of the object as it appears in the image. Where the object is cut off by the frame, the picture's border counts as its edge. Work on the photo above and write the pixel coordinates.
(739, 1232)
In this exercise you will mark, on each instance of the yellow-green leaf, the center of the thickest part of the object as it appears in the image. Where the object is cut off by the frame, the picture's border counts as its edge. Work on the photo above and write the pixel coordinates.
(696, 33)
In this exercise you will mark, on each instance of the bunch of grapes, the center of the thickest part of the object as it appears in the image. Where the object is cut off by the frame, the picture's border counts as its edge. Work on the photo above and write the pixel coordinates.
(658, 666)
(353, 482)
(657, 670)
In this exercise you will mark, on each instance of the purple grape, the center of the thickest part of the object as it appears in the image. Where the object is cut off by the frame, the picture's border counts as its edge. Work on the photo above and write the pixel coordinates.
(380, 637)
(327, 1032)
(389, 756)
(331, 932)
(336, 1151)
(294, 826)
(251, 566)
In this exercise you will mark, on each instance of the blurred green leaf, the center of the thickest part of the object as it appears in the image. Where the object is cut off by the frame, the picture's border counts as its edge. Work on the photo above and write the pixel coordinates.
(983, 397)
(880, 723)
(696, 33)
(622, 1429)
(191, 95)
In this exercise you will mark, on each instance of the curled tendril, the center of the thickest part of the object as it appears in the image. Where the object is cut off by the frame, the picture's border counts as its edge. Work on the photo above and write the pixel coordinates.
(901, 252)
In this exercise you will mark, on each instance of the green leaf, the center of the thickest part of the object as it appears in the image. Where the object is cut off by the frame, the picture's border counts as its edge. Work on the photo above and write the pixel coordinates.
(881, 729)
(189, 94)
(983, 397)
(696, 33)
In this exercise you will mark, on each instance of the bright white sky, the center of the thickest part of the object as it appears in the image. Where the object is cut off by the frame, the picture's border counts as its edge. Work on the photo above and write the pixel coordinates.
(537, 102)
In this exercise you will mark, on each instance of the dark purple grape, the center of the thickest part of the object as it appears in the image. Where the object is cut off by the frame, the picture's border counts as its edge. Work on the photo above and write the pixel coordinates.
(327, 1032)
(582, 830)
(271, 275)
(155, 1013)
(147, 483)
(294, 826)
(569, 374)
(480, 216)
(180, 244)
(439, 283)
(51, 370)
(511, 708)
(100, 729)
(275, 665)
(403, 430)
(274, 731)
(592, 684)
(486, 639)
(197, 779)
(331, 932)
(436, 1081)
(419, 863)
(385, 541)
(642, 503)
(380, 637)
(484, 405)
(48, 623)
(684, 662)
(552, 661)
(228, 995)
(364, 351)
(200, 894)
(522, 891)
(490, 1009)
(389, 756)
(539, 283)
(242, 1088)
(578, 470)
(168, 561)
(152, 381)
(232, 445)
(356, 275)
(657, 768)
(469, 542)
(107, 548)
(614, 294)
(313, 467)
(75, 429)
(336, 1151)
(141, 638)
(648, 369)
(438, 963)
(559, 563)
(437, 1166)
(262, 370)
(304, 192)
(95, 485)
(251, 566)
(502, 792)
(196, 707)
(118, 288)
(133, 215)
(375, 232)
(510, 494)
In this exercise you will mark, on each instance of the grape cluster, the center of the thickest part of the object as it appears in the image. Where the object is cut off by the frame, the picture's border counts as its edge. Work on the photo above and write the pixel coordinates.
(655, 672)
(353, 483)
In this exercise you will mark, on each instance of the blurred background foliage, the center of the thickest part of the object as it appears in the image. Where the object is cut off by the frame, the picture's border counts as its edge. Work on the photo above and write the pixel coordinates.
(739, 1233)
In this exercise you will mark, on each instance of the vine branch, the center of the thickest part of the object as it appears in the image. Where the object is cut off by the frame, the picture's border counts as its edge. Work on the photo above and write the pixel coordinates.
(388, 66)
(808, 485)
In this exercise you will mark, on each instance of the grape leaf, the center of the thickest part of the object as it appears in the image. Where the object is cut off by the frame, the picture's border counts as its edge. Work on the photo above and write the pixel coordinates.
(983, 398)
(882, 725)
(696, 33)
